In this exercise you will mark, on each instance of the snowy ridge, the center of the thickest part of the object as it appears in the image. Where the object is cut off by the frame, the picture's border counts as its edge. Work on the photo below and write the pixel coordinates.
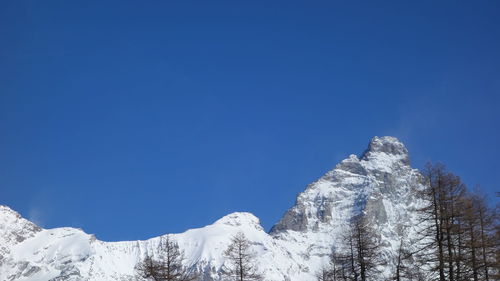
(13, 230)
(380, 183)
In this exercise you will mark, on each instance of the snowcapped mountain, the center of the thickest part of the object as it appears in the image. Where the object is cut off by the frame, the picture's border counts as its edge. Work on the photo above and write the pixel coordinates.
(380, 183)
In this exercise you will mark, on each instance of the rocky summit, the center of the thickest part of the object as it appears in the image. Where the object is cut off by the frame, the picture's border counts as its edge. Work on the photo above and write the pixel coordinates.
(379, 183)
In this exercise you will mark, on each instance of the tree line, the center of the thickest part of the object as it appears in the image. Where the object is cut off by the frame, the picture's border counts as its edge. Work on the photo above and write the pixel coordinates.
(168, 266)
(458, 239)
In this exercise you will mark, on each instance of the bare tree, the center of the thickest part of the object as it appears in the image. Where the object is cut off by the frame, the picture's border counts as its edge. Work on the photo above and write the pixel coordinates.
(240, 259)
(487, 243)
(325, 274)
(495, 275)
(460, 233)
(149, 269)
(479, 226)
(334, 270)
(367, 247)
(400, 260)
(168, 264)
(436, 216)
(361, 256)
(406, 267)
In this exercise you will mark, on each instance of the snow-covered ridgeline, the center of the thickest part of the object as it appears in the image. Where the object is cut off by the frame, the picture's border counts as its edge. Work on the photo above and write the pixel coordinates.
(379, 183)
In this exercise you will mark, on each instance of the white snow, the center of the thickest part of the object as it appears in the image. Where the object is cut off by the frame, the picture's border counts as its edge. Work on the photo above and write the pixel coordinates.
(380, 184)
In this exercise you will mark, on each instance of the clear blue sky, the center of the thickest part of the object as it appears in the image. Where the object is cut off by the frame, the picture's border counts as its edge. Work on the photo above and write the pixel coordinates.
(132, 119)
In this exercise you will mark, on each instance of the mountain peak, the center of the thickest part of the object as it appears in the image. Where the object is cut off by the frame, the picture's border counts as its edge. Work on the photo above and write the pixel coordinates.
(379, 184)
(353, 182)
(5, 210)
(386, 145)
(7, 215)
(239, 219)
(14, 229)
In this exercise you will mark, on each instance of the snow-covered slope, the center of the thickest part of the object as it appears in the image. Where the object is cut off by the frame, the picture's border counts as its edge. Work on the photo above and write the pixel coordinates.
(13, 230)
(379, 183)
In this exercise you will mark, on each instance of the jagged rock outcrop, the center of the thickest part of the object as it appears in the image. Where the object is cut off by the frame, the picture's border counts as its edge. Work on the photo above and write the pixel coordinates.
(356, 184)
(14, 229)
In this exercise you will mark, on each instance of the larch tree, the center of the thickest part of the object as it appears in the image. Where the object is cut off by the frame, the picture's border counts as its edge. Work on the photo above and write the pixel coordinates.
(360, 257)
(240, 260)
(459, 232)
(404, 268)
(433, 215)
(168, 264)
(334, 270)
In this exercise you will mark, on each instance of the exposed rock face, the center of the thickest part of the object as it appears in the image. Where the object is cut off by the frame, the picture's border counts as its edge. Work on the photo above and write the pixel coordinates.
(380, 184)
(354, 185)
(13, 230)
(389, 146)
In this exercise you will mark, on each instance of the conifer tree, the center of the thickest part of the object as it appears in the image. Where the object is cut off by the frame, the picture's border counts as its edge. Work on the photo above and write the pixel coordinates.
(168, 264)
(240, 260)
